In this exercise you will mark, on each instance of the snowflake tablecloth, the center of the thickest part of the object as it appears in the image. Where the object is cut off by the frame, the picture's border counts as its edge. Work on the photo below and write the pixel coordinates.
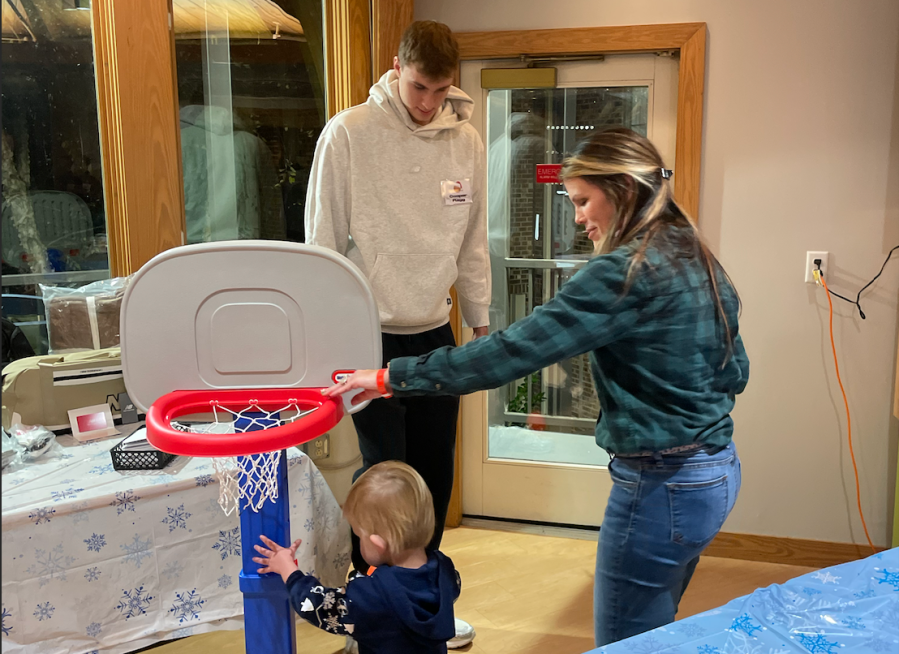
(96, 560)
(853, 607)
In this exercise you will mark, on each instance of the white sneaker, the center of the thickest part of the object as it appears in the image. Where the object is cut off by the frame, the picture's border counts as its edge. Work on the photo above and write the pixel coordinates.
(464, 635)
(351, 646)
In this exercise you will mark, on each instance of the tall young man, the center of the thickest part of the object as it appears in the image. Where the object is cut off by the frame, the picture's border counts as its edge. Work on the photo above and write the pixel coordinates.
(398, 186)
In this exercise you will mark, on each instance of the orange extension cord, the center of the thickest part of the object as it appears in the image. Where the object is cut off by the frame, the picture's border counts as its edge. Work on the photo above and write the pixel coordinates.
(858, 493)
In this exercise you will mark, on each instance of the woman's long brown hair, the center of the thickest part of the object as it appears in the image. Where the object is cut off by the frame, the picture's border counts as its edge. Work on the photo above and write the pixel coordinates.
(628, 168)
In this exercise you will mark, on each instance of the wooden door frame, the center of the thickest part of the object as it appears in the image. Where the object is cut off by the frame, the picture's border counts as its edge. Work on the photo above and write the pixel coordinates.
(389, 18)
(348, 53)
(686, 39)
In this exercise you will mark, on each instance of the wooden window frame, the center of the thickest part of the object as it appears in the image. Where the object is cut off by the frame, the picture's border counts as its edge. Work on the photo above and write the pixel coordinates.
(137, 100)
(140, 139)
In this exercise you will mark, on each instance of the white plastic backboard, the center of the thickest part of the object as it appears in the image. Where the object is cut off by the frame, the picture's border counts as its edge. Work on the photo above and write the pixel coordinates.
(243, 315)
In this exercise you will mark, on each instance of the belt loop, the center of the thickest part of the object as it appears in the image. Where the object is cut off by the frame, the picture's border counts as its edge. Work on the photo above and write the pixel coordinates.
(657, 458)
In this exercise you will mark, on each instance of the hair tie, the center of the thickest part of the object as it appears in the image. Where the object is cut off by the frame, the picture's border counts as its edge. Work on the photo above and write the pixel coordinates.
(666, 173)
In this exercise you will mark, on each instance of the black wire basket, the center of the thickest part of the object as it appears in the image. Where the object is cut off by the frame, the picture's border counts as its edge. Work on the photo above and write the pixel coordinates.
(135, 460)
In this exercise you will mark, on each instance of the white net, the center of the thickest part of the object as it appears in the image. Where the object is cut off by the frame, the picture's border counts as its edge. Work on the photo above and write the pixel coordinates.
(245, 481)
(251, 479)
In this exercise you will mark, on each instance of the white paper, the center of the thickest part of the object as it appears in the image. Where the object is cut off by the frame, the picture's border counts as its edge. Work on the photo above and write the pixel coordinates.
(137, 442)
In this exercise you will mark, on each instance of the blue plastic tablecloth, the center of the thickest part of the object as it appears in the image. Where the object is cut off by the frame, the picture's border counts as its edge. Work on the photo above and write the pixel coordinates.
(853, 607)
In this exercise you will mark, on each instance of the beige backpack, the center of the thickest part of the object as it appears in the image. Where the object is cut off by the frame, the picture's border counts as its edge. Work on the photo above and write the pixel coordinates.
(43, 389)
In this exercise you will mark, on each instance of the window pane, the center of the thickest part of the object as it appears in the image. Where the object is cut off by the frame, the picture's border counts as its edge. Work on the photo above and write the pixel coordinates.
(535, 248)
(53, 219)
(252, 104)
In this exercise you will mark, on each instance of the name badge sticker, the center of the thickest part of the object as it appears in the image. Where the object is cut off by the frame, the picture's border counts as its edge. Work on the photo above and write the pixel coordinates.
(456, 191)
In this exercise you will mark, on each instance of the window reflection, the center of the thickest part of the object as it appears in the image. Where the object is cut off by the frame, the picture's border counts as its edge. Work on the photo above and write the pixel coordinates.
(53, 214)
(251, 96)
(53, 218)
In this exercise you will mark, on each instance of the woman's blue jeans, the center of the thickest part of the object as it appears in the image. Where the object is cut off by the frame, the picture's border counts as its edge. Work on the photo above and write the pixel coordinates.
(662, 512)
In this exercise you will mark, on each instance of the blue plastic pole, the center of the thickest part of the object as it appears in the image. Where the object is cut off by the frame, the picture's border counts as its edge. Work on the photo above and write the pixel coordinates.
(269, 626)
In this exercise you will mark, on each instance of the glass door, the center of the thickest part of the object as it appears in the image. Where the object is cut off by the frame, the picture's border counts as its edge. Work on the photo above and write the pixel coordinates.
(532, 456)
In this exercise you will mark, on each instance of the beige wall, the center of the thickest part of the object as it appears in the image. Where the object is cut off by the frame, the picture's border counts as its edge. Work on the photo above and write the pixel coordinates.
(801, 152)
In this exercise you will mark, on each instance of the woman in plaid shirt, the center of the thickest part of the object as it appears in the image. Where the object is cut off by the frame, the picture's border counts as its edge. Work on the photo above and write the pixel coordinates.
(658, 315)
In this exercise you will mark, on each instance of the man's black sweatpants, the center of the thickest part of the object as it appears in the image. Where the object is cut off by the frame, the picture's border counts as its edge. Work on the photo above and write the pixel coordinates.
(420, 431)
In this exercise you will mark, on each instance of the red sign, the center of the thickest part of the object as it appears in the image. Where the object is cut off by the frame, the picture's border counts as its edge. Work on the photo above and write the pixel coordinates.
(548, 173)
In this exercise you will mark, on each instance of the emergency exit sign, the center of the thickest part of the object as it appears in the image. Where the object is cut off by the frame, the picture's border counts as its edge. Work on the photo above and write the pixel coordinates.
(548, 173)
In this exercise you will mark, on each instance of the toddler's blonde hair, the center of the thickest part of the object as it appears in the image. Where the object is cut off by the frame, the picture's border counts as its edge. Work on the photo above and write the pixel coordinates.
(391, 500)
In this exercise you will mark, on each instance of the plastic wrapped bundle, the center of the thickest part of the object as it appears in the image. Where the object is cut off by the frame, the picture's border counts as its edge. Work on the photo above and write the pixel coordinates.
(85, 318)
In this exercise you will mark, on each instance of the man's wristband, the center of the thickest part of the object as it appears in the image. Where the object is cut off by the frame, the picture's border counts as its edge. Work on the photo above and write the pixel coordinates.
(382, 387)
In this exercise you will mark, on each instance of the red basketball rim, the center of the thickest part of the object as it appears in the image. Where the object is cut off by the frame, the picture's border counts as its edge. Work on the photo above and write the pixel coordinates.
(162, 436)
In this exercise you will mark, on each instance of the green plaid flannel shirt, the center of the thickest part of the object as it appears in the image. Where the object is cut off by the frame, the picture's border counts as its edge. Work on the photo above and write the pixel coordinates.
(658, 353)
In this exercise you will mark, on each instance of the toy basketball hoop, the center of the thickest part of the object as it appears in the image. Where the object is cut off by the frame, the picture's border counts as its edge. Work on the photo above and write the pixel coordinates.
(226, 346)
(243, 432)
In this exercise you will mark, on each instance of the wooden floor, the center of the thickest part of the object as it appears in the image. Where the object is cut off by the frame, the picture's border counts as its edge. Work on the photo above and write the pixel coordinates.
(526, 593)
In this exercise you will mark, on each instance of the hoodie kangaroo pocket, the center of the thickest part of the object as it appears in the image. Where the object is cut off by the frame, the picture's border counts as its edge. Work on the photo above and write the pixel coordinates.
(412, 289)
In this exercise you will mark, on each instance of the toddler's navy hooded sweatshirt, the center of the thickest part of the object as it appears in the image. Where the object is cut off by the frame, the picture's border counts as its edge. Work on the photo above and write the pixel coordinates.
(395, 610)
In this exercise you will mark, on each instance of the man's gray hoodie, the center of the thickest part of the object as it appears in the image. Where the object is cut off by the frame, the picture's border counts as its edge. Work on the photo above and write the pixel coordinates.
(377, 195)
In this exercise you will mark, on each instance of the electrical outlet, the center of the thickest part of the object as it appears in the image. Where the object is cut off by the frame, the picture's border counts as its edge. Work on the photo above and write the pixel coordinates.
(320, 447)
(810, 266)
